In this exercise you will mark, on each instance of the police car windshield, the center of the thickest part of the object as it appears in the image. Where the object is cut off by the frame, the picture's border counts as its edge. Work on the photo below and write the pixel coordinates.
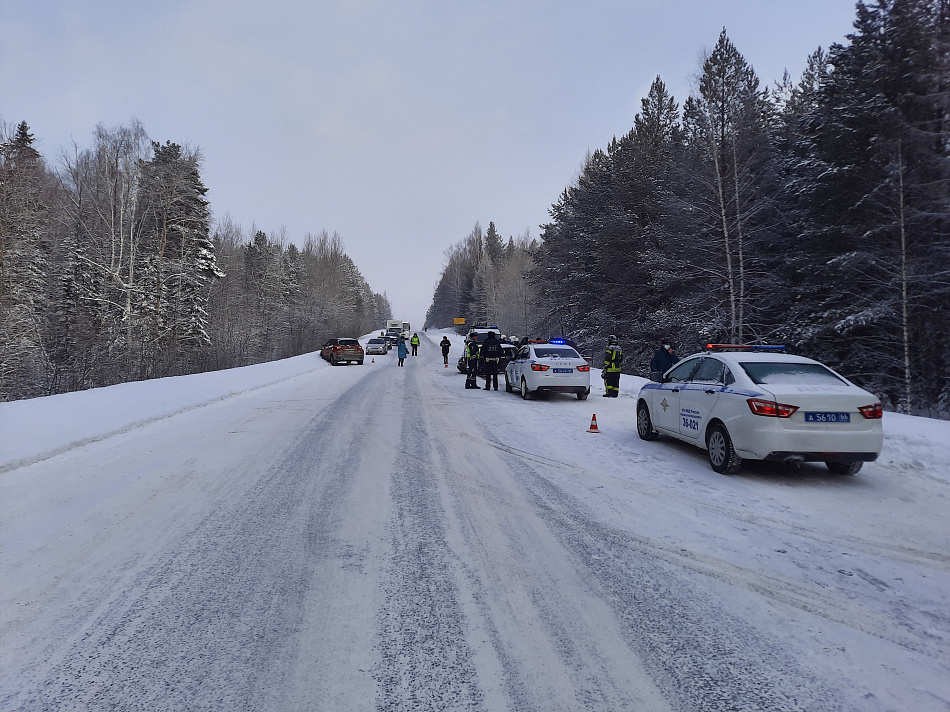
(555, 352)
(763, 373)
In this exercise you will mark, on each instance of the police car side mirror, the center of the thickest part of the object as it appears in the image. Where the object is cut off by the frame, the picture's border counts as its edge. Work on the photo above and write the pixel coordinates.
(657, 377)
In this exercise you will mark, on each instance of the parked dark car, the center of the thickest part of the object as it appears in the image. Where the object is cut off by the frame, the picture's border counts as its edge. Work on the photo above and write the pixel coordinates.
(507, 349)
(338, 351)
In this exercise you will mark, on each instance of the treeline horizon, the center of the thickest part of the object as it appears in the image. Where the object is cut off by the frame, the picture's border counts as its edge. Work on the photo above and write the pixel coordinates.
(111, 271)
(814, 213)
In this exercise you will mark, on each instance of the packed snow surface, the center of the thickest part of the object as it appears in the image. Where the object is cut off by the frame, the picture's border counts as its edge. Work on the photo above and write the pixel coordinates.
(296, 536)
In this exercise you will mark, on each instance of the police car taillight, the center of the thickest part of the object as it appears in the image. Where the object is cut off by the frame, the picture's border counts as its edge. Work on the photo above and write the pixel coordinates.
(539, 367)
(770, 409)
(872, 412)
(583, 368)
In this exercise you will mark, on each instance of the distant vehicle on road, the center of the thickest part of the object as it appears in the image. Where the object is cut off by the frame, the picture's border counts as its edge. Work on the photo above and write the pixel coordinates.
(377, 346)
(481, 333)
(402, 327)
(338, 351)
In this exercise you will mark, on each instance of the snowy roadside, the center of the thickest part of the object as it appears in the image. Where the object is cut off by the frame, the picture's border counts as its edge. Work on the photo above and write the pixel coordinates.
(38, 428)
(911, 444)
(35, 429)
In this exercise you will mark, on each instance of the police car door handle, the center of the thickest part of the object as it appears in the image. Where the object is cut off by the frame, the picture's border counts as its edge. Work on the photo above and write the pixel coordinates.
(710, 391)
(675, 390)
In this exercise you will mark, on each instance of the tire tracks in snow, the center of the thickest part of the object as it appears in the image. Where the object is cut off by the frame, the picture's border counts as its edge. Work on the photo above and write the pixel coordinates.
(920, 557)
(210, 622)
(425, 663)
(701, 655)
(830, 605)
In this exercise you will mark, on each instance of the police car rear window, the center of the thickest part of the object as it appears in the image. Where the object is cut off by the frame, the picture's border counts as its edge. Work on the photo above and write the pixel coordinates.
(555, 352)
(764, 373)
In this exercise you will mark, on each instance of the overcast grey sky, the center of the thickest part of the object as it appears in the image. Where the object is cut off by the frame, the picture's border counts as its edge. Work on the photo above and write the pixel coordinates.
(397, 123)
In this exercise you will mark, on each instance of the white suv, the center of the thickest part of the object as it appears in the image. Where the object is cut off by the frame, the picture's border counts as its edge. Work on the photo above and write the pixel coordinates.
(757, 405)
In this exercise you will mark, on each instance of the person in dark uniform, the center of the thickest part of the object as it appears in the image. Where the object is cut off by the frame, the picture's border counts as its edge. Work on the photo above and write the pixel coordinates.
(663, 359)
(446, 345)
(471, 362)
(613, 355)
(490, 355)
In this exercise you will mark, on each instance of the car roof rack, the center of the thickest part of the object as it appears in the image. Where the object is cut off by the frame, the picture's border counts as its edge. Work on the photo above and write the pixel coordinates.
(773, 348)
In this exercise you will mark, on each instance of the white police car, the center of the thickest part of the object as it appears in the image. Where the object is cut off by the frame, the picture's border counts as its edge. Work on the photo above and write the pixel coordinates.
(549, 367)
(759, 403)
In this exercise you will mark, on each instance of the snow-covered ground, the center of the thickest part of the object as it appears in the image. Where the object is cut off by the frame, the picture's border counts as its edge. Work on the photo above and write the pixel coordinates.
(298, 536)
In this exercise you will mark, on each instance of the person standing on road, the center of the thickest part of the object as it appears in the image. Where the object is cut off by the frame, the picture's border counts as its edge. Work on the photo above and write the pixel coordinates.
(490, 354)
(611, 371)
(401, 350)
(446, 345)
(415, 344)
(471, 362)
(663, 359)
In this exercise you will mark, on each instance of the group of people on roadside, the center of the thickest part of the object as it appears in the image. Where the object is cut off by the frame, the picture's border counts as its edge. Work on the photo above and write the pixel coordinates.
(663, 358)
(481, 359)
(402, 350)
(485, 358)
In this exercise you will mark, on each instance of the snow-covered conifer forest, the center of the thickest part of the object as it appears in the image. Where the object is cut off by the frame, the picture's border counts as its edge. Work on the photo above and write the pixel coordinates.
(814, 213)
(111, 271)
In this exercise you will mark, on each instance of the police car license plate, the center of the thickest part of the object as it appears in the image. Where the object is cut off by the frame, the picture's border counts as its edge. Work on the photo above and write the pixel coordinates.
(827, 417)
(564, 370)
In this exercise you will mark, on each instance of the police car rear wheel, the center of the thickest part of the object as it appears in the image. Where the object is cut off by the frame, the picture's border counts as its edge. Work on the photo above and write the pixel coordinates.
(645, 423)
(722, 455)
(525, 393)
(844, 468)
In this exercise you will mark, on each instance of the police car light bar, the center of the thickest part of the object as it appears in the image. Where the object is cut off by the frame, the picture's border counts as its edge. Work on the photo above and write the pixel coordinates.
(745, 347)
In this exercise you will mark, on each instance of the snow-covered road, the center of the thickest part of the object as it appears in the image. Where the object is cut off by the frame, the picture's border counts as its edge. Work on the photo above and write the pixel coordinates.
(378, 538)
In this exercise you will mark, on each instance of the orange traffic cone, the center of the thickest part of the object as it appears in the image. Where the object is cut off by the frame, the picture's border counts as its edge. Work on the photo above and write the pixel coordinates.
(593, 424)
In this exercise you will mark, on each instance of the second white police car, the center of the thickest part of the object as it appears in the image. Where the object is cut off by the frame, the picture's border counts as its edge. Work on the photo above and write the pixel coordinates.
(548, 367)
(759, 403)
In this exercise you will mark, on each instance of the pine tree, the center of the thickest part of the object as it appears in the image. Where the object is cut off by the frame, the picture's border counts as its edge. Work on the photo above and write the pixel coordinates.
(178, 258)
(877, 163)
(727, 133)
(23, 266)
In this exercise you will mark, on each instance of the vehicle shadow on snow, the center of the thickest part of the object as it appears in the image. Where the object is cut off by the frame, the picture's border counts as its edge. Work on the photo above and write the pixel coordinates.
(799, 475)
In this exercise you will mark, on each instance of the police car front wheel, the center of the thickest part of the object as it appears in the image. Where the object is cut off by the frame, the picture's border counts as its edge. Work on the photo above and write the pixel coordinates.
(645, 423)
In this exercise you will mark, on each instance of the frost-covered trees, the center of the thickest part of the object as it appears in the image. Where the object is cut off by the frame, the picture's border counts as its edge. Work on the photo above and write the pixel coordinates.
(485, 280)
(873, 169)
(730, 186)
(24, 267)
(109, 272)
(178, 259)
(817, 214)
(138, 231)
